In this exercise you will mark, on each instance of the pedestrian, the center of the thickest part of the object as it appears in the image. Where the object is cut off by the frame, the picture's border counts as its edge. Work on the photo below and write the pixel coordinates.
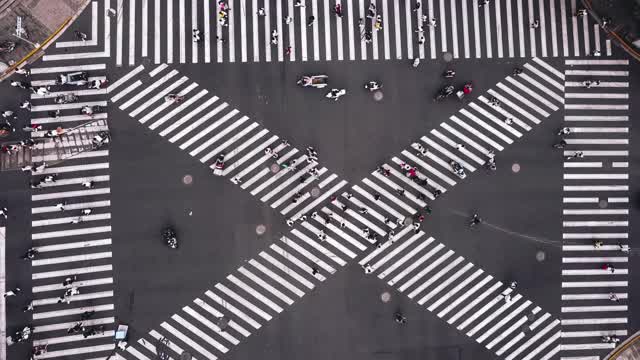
(416, 62)
(368, 37)
(287, 51)
(513, 285)
(609, 267)
(416, 7)
(361, 24)
(535, 24)
(43, 90)
(311, 20)
(507, 297)
(299, 3)
(420, 30)
(29, 307)
(76, 328)
(338, 9)
(475, 220)
(274, 37)
(597, 244)
(25, 105)
(378, 24)
(76, 220)
(23, 71)
(371, 11)
(432, 23)
(13, 292)
(80, 35)
(50, 178)
(68, 294)
(416, 227)
(596, 52)
(288, 20)
(86, 211)
(196, 35)
(399, 318)
(483, 3)
(314, 270)
(4, 212)
(89, 184)
(624, 248)
(69, 280)
(20, 84)
(508, 121)
(376, 196)
(262, 12)
(87, 315)
(400, 191)
(421, 40)
(459, 147)
(581, 13)
(322, 236)
(613, 297)
(363, 211)
(221, 39)
(60, 206)
(367, 269)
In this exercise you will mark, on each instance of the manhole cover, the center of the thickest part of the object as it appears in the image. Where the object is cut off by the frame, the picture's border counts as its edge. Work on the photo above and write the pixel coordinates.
(407, 221)
(603, 204)
(378, 95)
(187, 179)
(261, 229)
(315, 192)
(541, 255)
(385, 297)
(515, 168)
(447, 57)
(185, 356)
(275, 168)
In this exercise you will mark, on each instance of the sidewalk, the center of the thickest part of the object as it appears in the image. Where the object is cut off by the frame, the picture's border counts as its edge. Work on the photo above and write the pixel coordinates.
(43, 21)
(629, 350)
(624, 22)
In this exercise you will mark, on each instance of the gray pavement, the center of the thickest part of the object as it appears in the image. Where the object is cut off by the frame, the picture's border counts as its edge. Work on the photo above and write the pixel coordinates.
(216, 220)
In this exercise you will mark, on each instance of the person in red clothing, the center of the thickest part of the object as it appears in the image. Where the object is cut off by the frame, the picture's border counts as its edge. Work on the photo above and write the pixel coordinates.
(468, 88)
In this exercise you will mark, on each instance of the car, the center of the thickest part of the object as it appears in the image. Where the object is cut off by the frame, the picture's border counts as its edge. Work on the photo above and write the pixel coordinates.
(458, 169)
(75, 78)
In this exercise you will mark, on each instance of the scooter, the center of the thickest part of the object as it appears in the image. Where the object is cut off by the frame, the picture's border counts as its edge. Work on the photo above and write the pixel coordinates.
(335, 94)
(445, 92)
(372, 86)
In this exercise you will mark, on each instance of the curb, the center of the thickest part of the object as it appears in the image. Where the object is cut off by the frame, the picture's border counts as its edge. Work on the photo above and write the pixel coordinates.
(629, 342)
(619, 40)
(39, 51)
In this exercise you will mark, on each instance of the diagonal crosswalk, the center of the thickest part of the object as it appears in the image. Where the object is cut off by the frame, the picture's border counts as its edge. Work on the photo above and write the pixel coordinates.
(595, 206)
(332, 225)
(313, 32)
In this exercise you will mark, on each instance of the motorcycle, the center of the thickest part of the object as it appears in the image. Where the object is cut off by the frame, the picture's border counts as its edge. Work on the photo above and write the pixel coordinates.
(445, 92)
(66, 99)
(316, 81)
(372, 86)
(457, 169)
(169, 236)
(564, 131)
(449, 74)
(90, 110)
(335, 94)
(100, 139)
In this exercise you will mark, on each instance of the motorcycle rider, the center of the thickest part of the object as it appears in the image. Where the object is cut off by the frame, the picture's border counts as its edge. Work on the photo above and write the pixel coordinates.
(335, 94)
(372, 86)
(449, 73)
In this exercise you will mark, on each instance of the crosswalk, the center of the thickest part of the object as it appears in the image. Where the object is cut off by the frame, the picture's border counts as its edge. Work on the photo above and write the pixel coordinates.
(595, 206)
(332, 225)
(72, 242)
(162, 30)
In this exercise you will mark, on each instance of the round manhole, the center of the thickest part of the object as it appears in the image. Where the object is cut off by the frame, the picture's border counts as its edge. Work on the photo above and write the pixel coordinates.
(385, 297)
(515, 168)
(275, 168)
(378, 95)
(261, 229)
(315, 192)
(187, 179)
(408, 221)
(185, 356)
(447, 57)
(603, 204)
(540, 255)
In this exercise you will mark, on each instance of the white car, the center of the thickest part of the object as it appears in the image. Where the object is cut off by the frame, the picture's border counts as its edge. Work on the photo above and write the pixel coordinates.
(76, 78)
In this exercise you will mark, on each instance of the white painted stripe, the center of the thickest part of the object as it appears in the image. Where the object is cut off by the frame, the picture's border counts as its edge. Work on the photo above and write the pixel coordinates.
(277, 278)
(148, 89)
(474, 303)
(266, 286)
(464, 296)
(532, 93)
(319, 247)
(595, 259)
(302, 251)
(208, 308)
(455, 290)
(71, 258)
(225, 304)
(465, 29)
(594, 223)
(425, 270)
(596, 235)
(415, 264)
(75, 271)
(503, 321)
(603, 308)
(476, 29)
(395, 252)
(287, 270)
(499, 29)
(521, 39)
(210, 325)
(445, 283)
